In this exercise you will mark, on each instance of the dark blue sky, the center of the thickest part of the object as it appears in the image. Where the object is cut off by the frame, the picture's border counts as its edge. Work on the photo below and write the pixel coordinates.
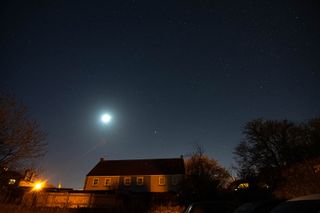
(172, 74)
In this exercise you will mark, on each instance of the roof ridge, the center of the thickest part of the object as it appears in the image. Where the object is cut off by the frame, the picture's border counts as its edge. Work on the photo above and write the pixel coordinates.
(143, 166)
(138, 159)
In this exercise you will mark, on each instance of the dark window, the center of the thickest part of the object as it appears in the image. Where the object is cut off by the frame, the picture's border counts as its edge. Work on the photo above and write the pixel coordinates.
(95, 181)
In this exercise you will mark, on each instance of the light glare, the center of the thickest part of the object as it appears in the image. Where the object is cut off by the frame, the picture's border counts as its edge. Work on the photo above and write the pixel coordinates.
(105, 118)
(38, 186)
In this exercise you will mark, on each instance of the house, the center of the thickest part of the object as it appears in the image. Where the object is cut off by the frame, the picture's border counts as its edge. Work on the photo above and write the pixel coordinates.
(143, 175)
(9, 178)
(12, 179)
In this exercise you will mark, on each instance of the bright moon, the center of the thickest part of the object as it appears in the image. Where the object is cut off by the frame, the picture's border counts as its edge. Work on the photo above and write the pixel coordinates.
(105, 118)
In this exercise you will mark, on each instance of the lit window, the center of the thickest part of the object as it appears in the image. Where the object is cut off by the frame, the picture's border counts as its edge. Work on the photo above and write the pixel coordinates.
(107, 182)
(162, 181)
(12, 181)
(127, 181)
(95, 181)
(174, 180)
(243, 186)
(139, 181)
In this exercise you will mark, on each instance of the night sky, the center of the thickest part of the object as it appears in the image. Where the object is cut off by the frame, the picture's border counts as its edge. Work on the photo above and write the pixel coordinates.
(172, 74)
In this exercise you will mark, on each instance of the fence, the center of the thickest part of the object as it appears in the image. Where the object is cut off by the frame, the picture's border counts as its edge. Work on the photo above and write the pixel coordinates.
(71, 200)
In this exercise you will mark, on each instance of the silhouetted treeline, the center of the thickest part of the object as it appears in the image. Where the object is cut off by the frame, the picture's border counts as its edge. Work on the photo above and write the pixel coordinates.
(271, 148)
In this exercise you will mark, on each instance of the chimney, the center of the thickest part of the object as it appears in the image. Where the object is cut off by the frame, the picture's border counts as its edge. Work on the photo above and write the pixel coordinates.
(101, 159)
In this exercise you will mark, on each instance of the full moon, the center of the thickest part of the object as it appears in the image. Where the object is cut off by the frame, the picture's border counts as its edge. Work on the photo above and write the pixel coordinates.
(106, 118)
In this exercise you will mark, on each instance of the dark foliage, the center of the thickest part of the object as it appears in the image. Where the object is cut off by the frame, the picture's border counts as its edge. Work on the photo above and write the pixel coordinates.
(270, 146)
(205, 178)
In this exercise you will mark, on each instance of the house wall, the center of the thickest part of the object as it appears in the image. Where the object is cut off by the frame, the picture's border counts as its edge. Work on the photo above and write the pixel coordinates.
(101, 183)
(151, 183)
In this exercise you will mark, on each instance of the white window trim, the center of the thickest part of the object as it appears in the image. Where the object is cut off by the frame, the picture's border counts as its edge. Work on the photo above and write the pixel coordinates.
(162, 181)
(93, 182)
(142, 181)
(125, 181)
(109, 182)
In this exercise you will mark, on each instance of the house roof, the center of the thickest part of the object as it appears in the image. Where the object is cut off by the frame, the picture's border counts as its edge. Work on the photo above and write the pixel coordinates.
(138, 167)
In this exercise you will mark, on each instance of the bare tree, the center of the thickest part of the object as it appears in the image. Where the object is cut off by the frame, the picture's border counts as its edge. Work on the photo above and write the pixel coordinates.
(269, 144)
(205, 178)
(21, 139)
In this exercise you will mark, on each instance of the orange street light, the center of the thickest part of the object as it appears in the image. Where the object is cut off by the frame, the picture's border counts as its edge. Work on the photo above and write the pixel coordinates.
(39, 185)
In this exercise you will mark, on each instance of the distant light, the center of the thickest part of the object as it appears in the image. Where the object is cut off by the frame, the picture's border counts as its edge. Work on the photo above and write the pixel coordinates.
(243, 186)
(38, 186)
(106, 118)
(12, 181)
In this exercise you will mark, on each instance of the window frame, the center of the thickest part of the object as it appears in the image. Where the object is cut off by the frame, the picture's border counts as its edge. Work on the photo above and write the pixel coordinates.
(140, 183)
(162, 181)
(109, 180)
(95, 181)
(12, 181)
(125, 179)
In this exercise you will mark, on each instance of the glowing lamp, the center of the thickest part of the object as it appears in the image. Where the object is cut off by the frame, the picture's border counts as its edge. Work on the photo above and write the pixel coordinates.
(38, 186)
